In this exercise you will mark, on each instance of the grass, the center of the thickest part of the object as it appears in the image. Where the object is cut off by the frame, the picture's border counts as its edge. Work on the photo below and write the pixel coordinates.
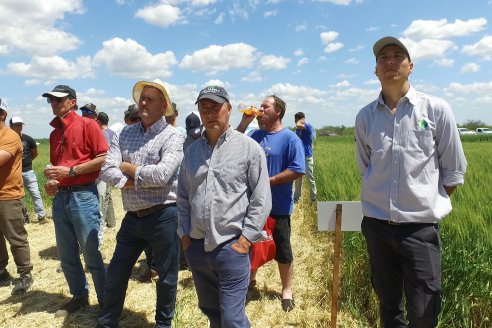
(467, 245)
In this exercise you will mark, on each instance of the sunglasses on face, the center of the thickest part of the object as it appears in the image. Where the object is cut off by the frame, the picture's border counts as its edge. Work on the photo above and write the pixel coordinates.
(55, 99)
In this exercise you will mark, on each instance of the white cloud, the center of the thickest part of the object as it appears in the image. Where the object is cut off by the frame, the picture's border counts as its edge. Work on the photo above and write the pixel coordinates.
(372, 29)
(357, 48)
(163, 15)
(301, 27)
(202, 2)
(271, 62)
(372, 82)
(444, 62)
(352, 61)
(296, 94)
(270, 13)
(54, 67)
(252, 77)
(327, 39)
(31, 26)
(214, 58)
(303, 61)
(299, 52)
(217, 83)
(441, 29)
(427, 48)
(129, 59)
(470, 68)
(482, 48)
(342, 84)
(337, 2)
(334, 46)
(220, 19)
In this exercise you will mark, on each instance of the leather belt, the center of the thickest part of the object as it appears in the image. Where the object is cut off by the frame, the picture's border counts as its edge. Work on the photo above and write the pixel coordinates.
(414, 224)
(150, 210)
(76, 187)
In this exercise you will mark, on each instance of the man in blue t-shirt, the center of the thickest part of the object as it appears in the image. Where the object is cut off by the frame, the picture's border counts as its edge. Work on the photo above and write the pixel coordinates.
(285, 161)
(305, 132)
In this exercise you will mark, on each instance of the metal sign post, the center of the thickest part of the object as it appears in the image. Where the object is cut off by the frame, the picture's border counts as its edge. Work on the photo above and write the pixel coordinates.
(330, 219)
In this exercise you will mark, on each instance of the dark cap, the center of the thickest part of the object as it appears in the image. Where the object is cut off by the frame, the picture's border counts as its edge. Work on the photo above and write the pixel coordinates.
(90, 107)
(103, 118)
(387, 41)
(131, 112)
(193, 125)
(215, 93)
(61, 91)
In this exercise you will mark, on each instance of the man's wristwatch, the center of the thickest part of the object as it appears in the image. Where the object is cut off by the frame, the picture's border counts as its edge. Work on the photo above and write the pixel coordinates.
(72, 172)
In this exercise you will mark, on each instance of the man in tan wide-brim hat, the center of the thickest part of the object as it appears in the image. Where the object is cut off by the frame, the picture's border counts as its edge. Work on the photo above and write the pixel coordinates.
(144, 166)
(158, 84)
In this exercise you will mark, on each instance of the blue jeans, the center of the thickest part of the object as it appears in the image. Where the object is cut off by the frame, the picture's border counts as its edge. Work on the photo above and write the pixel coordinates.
(31, 185)
(221, 281)
(76, 219)
(159, 231)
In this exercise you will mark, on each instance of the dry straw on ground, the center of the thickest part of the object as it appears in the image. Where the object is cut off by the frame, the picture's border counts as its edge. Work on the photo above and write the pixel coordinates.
(312, 285)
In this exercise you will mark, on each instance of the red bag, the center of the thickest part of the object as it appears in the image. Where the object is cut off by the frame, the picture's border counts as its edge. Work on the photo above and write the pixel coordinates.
(264, 251)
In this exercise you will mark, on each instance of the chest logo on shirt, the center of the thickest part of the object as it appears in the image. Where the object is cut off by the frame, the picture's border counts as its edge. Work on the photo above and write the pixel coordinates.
(423, 124)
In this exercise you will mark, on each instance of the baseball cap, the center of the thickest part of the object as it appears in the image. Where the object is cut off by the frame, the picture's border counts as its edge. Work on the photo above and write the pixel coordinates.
(193, 125)
(158, 84)
(89, 108)
(61, 91)
(215, 93)
(386, 41)
(3, 105)
(16, 120)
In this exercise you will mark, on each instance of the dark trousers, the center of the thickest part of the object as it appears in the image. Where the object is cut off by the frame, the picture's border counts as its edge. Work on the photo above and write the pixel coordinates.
(159, 231)
(12, 229)
(221, 282)
(405, 257)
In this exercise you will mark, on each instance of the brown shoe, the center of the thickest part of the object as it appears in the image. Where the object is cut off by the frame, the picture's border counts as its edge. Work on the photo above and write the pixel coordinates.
(147, 275)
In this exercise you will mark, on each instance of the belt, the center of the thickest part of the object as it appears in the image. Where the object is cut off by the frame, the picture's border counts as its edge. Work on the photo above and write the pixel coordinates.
(414, 224)
(150, 210)
(76, 187)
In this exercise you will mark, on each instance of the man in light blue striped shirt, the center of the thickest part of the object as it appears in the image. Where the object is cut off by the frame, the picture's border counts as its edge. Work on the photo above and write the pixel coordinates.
(223, 201)
(143, 161)
(410, 158)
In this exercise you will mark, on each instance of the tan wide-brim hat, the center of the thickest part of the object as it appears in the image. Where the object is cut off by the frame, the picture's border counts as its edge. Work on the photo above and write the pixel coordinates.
(158, 84)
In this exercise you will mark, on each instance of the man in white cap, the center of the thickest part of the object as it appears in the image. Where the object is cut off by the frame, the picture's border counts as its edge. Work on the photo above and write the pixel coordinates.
(410, 158)
(144, 166)
(11, 218)
(77, 151)
(29, 153)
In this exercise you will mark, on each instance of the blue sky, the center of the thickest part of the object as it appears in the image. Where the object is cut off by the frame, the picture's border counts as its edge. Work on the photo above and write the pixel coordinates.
(316, 54)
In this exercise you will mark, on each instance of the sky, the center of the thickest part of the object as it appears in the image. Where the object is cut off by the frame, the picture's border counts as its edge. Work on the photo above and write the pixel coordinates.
(315, 54)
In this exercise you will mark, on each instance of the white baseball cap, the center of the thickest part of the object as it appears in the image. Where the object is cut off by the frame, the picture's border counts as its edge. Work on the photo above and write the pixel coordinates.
(3, 105)
(16, 120)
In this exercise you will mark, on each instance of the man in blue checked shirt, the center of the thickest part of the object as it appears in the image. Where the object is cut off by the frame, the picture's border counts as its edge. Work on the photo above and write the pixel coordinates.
(143, 161)
(410, 158)
(223, 203)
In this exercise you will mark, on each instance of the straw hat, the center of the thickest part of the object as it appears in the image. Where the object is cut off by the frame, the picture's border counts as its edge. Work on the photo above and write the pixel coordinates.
(158, 84)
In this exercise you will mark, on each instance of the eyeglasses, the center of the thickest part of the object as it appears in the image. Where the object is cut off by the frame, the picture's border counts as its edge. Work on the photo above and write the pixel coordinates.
(55, 99)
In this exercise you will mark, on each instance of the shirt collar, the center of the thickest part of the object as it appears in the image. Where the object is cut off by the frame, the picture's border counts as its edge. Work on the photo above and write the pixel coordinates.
(222, 138)
(65, 121)
(411, 96)
(154, 128)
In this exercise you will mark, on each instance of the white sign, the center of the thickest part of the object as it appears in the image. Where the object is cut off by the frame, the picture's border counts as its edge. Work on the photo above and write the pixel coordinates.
(351, 216)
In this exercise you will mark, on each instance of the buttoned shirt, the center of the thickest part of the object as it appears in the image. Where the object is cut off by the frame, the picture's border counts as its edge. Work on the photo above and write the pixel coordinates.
(407, 158)
(76, 140)
(157, 152)
(223, 192)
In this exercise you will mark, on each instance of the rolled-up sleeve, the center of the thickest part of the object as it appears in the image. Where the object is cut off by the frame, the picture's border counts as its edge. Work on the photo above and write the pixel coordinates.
(110, 171)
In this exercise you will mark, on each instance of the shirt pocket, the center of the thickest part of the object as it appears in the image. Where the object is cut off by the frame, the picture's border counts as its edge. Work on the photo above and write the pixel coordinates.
(230, 178)
(420, 143)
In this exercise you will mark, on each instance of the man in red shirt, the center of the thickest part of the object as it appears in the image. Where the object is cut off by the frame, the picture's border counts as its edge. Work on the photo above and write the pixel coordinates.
(77, 152)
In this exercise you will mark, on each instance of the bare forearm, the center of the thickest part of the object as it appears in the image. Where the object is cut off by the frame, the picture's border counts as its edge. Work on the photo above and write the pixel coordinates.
(284, 177)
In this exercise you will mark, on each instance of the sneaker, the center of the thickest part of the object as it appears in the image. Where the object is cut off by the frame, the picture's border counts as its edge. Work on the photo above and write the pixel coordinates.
(75, 304)
(5, 278)
(24, 283)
